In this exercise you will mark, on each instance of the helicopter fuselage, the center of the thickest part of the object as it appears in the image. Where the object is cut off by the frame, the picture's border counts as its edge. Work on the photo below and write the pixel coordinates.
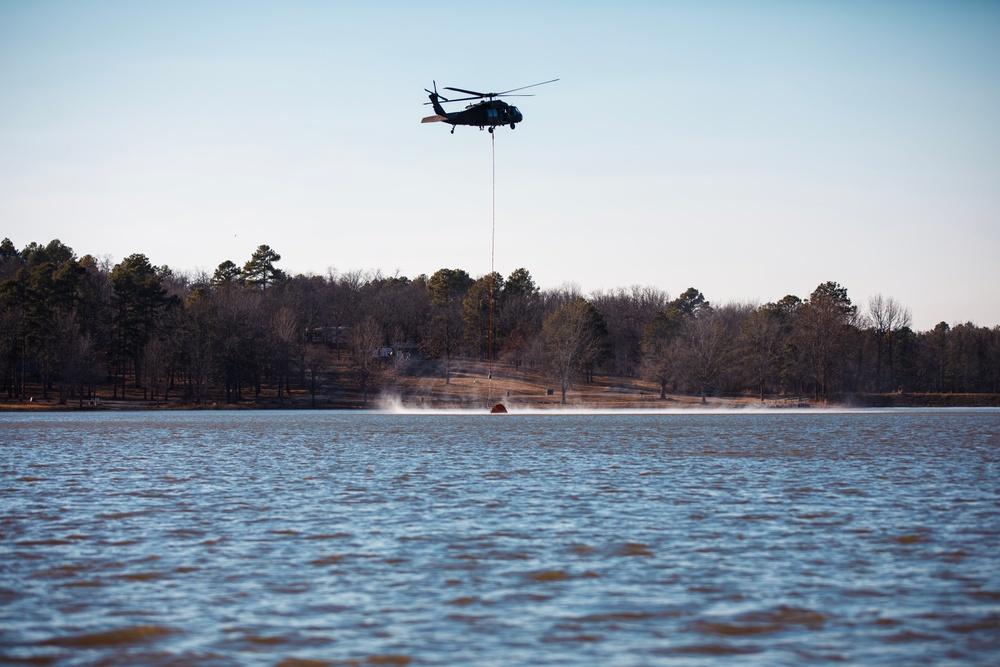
(489, 113)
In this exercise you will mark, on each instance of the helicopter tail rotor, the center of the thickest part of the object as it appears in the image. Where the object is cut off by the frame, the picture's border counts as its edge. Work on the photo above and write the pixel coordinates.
(435, 94)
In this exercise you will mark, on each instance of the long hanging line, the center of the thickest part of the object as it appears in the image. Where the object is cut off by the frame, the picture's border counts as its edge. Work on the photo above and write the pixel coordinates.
(493, 243)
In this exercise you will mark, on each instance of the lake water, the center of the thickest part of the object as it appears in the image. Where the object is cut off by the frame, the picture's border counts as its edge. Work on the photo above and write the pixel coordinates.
(328, 538)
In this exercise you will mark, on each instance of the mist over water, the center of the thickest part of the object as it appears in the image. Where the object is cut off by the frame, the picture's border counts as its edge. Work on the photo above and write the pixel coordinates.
(261, 538)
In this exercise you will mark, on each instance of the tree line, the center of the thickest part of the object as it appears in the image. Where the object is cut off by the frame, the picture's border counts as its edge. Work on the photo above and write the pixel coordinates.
(72, 326)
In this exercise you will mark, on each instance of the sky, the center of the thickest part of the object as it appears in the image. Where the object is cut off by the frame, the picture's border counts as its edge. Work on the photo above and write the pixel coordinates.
(748, 149)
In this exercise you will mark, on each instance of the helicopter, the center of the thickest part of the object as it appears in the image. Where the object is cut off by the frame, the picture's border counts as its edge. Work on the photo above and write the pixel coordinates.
(489, 112)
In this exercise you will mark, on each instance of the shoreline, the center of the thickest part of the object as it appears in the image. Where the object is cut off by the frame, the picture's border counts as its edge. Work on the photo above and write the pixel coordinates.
(460, 403)
(470, 386)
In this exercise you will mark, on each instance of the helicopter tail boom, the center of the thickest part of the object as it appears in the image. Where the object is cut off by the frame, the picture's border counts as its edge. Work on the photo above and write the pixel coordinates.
(435, 99)
(435, 102)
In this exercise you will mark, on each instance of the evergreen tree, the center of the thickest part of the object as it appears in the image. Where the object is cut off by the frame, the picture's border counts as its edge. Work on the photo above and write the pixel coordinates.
(480, 306)
(226, 273)
(139, 297)
(443, 334)
(259, 271)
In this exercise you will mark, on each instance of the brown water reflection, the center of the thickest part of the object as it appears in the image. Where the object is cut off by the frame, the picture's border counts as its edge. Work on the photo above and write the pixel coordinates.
(441, 539)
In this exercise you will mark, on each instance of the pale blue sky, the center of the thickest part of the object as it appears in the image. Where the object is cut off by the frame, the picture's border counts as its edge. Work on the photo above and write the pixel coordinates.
(751, 150)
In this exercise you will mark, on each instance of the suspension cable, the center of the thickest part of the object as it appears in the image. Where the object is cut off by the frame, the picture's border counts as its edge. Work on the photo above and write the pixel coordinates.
(493, 244)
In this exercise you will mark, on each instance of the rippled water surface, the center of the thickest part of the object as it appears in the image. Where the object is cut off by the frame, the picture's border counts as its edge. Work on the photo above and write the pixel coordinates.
(265, 538)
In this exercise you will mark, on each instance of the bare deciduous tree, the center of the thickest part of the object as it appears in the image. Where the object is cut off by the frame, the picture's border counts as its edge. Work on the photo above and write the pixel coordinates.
(628, 312)
(574, 338)
(287, 337)
(366, 366)
(761, 346)
(706, 346)
(888, 318)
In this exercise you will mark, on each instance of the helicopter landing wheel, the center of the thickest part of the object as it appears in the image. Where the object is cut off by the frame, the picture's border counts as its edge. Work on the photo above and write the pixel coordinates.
(491, 130)
(512, 126)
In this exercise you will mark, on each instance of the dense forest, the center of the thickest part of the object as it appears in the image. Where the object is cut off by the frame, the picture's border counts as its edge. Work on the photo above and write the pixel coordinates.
(76, 327)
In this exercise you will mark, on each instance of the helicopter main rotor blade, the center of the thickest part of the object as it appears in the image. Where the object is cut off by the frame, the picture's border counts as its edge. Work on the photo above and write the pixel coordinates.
(469, 92)
(461, 99)
(466, 99)
(523, 87)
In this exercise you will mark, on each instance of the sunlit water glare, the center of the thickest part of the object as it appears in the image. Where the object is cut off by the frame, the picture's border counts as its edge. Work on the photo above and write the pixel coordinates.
(265, 538)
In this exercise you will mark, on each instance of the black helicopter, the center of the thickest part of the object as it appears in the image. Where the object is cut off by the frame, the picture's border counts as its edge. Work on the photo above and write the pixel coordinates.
(488, 113)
